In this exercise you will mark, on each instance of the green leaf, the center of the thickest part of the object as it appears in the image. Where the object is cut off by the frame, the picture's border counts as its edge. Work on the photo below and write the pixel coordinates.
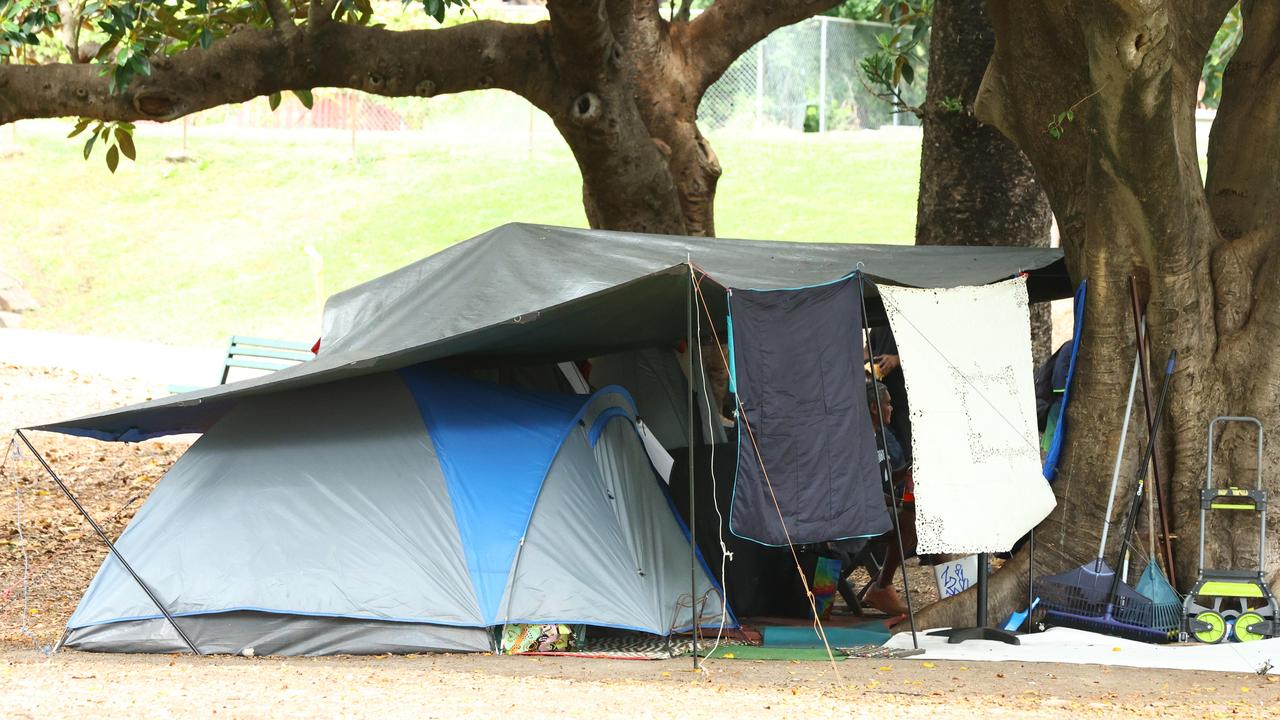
(88, 146)
(125, 140)
(105, 51)
(80, 126)
(908, 73)
(274, 101)
(1071, 115)
(206, 38)
(304, 96)
(140, 64)
(113, 158)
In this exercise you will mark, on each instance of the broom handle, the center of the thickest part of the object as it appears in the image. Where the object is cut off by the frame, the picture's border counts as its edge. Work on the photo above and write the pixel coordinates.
(1115, 472)
(1131, 521)
(1160, 491)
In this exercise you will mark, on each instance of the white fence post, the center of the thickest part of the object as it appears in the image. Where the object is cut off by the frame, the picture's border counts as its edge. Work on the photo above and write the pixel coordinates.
(822, 75)
(760, 84)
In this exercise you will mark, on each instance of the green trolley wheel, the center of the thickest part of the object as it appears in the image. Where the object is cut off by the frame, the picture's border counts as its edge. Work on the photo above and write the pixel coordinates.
(1217, 627)
(1241, 630)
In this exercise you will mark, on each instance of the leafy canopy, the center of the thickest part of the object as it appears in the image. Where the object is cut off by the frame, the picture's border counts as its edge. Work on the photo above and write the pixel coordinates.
(124, 36)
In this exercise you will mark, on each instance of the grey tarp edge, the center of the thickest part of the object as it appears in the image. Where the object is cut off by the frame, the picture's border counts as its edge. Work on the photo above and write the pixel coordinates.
(521, 289)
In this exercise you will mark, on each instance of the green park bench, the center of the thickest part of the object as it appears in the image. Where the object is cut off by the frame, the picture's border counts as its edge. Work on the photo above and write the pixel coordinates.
(257, 354)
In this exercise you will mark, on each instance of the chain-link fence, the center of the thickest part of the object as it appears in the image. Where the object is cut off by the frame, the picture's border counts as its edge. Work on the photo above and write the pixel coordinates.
(806, 77)
(803, 77)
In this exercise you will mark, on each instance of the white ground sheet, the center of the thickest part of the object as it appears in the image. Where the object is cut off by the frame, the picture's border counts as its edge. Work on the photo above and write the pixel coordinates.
(966, 358)
(1066, 645)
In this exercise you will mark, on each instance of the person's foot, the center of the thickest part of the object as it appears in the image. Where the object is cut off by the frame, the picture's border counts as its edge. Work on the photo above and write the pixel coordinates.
(886, 600)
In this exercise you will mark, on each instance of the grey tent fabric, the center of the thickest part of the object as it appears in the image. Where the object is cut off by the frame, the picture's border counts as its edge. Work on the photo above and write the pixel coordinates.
(603, 516)
(559, 540)
(657, 383)
(369, 515)
(316, 503)
(543, 293)
(644, 512)
(808, 471)
(276, 634)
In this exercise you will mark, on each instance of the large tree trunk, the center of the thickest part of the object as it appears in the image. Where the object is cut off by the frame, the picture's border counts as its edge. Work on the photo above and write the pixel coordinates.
(976, 186)
(1124, 182)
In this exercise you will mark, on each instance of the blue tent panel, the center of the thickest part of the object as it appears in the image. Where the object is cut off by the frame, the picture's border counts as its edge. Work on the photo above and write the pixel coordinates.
(495, 444)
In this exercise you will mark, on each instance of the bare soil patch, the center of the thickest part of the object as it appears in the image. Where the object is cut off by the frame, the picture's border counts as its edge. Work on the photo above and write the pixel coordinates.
(110, 479)
(447, 686)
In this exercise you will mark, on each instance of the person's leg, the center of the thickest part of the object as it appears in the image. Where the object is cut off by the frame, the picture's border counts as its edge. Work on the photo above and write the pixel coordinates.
(907, 526)
(883, 595)
(850, 553)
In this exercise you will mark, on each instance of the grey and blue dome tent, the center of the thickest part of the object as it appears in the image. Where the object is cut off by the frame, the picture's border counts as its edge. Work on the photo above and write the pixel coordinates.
(366, 501)
(400, 512)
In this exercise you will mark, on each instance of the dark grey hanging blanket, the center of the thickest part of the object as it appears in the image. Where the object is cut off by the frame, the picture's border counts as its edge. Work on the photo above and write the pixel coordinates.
(797, 368)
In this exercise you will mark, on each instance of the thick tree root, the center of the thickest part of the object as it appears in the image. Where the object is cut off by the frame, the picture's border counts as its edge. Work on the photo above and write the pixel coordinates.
(1006, 593)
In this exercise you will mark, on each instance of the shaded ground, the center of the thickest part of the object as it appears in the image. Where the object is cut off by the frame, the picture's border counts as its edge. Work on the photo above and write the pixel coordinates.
(113, 479)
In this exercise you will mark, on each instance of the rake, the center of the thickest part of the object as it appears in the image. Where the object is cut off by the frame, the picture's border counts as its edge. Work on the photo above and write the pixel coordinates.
(1092, 597)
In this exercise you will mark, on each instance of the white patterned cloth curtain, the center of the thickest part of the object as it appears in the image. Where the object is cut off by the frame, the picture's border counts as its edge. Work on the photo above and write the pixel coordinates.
(966, 360)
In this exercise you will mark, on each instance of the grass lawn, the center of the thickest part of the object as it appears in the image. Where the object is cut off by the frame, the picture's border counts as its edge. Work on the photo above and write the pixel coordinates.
(190, 253)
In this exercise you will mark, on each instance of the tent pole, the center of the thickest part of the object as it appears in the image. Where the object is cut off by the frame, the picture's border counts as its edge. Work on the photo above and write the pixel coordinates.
(110, 545)
(689, 306)
(893, 494)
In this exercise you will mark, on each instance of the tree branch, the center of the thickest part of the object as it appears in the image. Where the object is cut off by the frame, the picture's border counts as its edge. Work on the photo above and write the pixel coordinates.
(320, 11)
(582, 39)
(682, 15)
(252, 63)
(729, 28)
(280, 16)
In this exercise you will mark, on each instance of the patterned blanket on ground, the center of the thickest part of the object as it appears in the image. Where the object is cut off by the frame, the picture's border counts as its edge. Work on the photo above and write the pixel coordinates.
(634, 647)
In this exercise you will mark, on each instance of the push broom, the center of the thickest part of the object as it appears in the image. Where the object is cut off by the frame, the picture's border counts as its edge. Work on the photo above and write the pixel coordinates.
(1092, 597)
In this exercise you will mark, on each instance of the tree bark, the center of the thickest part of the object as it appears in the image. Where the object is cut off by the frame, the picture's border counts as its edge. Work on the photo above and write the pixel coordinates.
(976, 186)
(1124, 182)
(621, 84)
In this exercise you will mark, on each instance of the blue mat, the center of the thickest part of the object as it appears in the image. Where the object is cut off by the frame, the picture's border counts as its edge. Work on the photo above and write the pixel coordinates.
(791, 636)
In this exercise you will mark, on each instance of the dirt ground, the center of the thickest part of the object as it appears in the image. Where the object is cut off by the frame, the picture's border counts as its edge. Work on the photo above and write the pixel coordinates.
(445, 686)
(112, 480)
